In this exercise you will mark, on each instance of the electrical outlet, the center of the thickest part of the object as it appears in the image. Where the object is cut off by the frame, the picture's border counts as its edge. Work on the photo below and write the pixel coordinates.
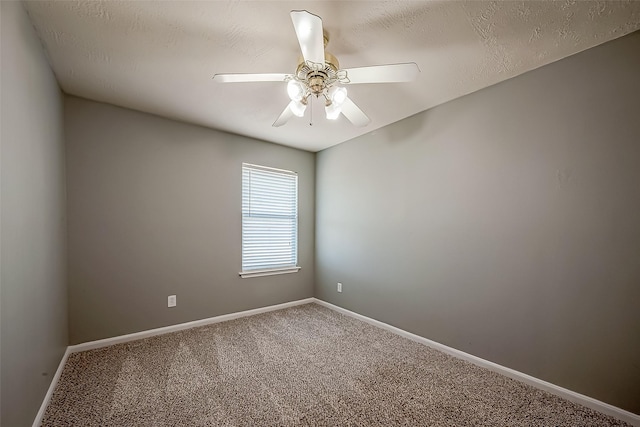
(339, 287)
(171, 301)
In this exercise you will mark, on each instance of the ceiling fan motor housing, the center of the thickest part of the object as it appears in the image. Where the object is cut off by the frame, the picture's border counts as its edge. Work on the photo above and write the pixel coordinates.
(316, 77)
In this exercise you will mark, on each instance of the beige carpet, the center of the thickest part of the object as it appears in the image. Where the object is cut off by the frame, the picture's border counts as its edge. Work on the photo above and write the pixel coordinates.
(307, 366)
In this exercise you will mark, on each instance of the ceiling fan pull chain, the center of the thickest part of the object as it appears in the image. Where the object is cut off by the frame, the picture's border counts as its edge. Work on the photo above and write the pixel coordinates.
(311, 112)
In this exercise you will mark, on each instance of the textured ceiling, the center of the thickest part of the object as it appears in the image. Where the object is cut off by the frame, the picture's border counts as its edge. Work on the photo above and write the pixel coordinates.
(159, 57)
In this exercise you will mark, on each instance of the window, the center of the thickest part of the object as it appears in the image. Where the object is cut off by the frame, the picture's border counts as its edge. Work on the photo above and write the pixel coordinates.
(269, 221)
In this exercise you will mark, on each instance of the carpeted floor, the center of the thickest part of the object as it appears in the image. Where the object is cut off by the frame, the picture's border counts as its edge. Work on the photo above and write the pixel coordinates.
(305, 365)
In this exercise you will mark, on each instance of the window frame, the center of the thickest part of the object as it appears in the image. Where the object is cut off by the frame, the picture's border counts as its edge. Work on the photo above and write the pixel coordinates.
(257, 272)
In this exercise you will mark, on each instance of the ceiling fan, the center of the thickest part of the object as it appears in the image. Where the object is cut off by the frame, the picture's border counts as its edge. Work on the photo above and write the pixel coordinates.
(319, 74)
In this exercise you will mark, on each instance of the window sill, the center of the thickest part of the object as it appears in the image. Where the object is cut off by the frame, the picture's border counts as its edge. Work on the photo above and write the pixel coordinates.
(259, 273)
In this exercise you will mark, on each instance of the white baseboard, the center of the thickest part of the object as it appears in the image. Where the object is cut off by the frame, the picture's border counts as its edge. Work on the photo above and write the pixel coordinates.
(52, 387)
(181, 326)
(572, 396)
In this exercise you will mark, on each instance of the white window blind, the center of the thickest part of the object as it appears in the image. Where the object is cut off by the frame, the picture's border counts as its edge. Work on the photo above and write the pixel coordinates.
(269, 221)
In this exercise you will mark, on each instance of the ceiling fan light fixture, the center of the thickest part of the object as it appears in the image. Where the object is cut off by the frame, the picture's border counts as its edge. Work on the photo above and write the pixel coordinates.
(297, 108)
(295, 90)
(338, 95)
(332, 111)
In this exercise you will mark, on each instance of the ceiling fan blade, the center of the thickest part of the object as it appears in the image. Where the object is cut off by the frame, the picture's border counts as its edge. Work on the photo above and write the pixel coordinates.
(244, 78)
(309, 32)
(284, 117)
(391, 73)
(355, 115)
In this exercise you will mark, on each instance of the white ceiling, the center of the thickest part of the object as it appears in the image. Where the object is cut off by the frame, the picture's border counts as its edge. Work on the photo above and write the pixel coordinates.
(159, 57)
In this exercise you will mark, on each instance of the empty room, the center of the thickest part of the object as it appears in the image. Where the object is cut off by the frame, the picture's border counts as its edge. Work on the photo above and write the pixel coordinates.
(320, 213)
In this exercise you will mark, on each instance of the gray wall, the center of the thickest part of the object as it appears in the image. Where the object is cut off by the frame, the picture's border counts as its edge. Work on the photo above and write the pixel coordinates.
(505, 224)
(33, 288)
(154, 209)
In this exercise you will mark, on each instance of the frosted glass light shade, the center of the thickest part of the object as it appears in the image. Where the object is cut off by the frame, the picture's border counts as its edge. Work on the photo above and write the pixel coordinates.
(339, 96)
(295, 90)
(297, 108)
(332, 111)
